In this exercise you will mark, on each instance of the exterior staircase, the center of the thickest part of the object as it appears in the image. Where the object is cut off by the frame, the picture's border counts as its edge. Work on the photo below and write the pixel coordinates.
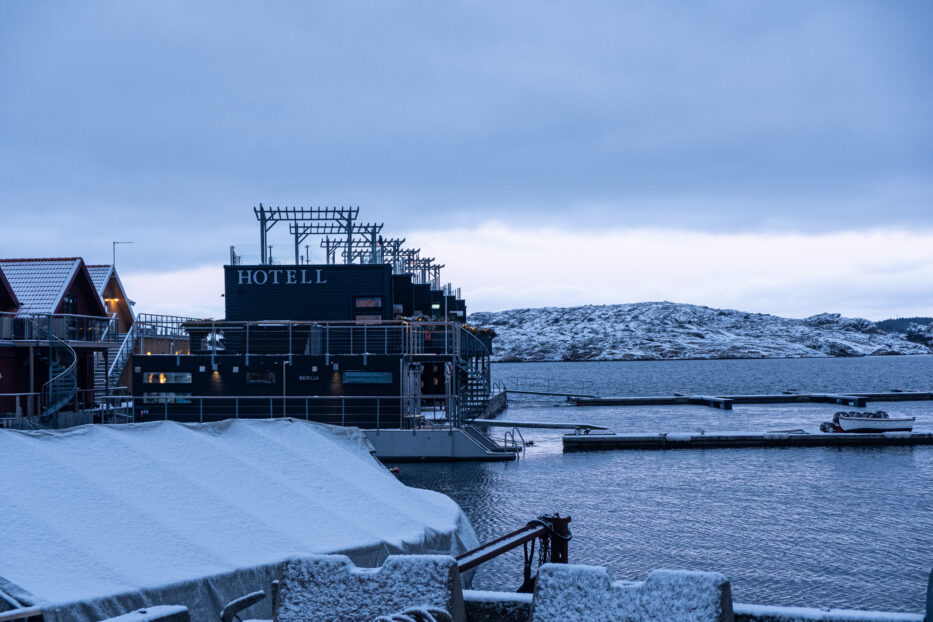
(118, 355)
(473, 394)
(62, 384)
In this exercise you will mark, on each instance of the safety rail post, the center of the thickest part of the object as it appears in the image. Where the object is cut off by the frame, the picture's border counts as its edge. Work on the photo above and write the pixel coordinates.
(306, 409)
(377, 416)
(343, 411)
(201, 404)
(561, 526)
(165, 408)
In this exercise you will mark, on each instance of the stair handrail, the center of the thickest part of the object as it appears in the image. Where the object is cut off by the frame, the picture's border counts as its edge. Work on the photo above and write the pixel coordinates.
(48, 387)
(113, 320)
(123, 354)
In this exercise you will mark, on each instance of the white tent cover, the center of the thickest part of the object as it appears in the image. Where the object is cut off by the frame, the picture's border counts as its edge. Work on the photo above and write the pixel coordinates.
(97, 521)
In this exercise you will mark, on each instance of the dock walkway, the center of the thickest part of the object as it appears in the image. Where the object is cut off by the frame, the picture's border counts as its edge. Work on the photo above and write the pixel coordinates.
(596, 442)
(725, 402)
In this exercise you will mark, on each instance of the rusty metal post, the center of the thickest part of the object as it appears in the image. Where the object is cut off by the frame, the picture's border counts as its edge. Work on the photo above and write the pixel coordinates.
(559, 544)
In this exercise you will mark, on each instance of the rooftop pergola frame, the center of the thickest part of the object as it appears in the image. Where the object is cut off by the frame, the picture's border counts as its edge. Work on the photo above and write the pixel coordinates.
(380, 250)
(305, 221)
(341, 231)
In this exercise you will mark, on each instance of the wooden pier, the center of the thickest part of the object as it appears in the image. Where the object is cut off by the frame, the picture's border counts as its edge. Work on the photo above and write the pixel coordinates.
(598, 442)
(725, 402)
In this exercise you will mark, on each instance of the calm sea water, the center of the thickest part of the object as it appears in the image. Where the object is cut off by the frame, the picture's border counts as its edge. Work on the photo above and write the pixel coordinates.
(811, 527)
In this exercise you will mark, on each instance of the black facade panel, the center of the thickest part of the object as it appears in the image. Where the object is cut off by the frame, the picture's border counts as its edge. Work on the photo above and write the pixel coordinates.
(307, 292)
(422, 299)
(403, 293)
(437, 304)
(261, 391)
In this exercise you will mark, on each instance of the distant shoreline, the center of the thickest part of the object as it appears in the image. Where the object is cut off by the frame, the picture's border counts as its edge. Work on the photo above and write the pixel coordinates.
(720, 358)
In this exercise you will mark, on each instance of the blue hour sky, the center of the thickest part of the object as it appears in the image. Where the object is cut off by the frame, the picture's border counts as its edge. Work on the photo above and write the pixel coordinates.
(770, 156)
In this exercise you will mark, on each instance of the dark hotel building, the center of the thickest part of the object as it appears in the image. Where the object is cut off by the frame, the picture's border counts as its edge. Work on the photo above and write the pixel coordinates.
(372, 342)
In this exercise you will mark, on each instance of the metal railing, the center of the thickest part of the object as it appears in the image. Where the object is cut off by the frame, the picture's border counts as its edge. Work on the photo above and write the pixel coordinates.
(379, 412)
(67, 327)
(62, 386)
(363, 337)
(22, 410)
(123, 355)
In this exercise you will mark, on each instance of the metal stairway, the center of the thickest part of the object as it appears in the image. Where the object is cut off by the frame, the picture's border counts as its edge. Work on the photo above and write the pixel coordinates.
(62, 385)
(118, 354)
(473, 393)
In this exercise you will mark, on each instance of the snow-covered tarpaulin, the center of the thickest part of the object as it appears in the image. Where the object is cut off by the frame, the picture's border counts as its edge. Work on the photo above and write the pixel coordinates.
(100, 520)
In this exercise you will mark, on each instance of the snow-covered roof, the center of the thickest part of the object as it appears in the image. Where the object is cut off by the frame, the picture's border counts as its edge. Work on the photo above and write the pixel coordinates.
(39, 284)
(100, 274)
(7, 290)
(96, 514)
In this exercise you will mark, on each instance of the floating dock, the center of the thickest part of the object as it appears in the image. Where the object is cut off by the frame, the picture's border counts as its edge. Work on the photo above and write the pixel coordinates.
(724, 440)
(725, 402)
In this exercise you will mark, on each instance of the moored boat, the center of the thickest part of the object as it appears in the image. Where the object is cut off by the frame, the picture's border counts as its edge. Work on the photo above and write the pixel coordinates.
(877, 421)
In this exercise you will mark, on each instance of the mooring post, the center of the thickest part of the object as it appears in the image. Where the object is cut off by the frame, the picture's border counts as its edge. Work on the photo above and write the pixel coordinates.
(561, 526)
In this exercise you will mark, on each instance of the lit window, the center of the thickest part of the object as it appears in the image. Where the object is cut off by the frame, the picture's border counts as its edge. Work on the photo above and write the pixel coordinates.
(372, 302)
(260, 377)
(166, 398)
(166, 377)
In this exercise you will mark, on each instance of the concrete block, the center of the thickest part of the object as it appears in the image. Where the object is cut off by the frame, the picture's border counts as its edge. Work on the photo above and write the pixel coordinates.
(587, 593)
(159, 613)
(768, 613)
(483, 606)
(331, 587)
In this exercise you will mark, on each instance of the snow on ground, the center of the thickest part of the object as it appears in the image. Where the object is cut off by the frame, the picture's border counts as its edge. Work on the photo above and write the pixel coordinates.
(97, 511)
(666, 330)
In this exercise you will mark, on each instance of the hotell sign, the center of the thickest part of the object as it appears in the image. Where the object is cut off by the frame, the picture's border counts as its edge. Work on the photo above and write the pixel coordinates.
(280, 276)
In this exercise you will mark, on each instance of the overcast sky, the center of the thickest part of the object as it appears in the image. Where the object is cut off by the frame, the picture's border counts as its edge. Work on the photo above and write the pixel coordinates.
(768, 156)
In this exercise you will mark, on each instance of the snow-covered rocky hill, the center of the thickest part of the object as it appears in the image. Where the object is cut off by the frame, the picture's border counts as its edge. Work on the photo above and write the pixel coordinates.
(666, 330)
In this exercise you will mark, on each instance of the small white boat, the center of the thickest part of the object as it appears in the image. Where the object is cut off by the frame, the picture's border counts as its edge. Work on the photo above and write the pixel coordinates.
(878, 421)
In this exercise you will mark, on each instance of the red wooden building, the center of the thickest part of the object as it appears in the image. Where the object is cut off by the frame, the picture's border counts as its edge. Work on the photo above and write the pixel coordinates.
(52, 322)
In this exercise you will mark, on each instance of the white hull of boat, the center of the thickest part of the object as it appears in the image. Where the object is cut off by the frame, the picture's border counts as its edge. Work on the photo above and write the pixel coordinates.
(870, 424)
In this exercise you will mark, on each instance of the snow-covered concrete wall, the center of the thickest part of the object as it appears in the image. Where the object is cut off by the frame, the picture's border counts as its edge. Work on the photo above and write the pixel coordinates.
(483, 606)
(764, 613)
(331, 587)
(570, 592)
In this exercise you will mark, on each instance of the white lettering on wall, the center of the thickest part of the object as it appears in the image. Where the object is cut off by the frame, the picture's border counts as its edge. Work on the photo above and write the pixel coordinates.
(290, 277)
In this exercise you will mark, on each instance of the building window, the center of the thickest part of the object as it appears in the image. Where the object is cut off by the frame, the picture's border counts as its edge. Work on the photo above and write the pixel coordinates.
(167, 377)
(367, 377)
(260, 377)
(70, 304)
(166, 398)
(369, 302)
(368, 318)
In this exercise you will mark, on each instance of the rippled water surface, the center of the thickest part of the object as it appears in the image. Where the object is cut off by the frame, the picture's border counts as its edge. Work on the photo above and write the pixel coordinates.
(810, 526)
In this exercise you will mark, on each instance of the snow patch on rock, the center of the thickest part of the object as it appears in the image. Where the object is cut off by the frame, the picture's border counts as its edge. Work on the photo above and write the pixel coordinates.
(667, 330)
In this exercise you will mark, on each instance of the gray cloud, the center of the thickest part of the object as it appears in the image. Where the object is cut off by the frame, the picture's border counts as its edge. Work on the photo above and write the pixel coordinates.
(167, 121)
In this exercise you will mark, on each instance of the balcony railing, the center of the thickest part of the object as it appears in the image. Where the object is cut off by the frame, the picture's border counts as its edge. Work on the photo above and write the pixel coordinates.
(326, 339)
(66, 327)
